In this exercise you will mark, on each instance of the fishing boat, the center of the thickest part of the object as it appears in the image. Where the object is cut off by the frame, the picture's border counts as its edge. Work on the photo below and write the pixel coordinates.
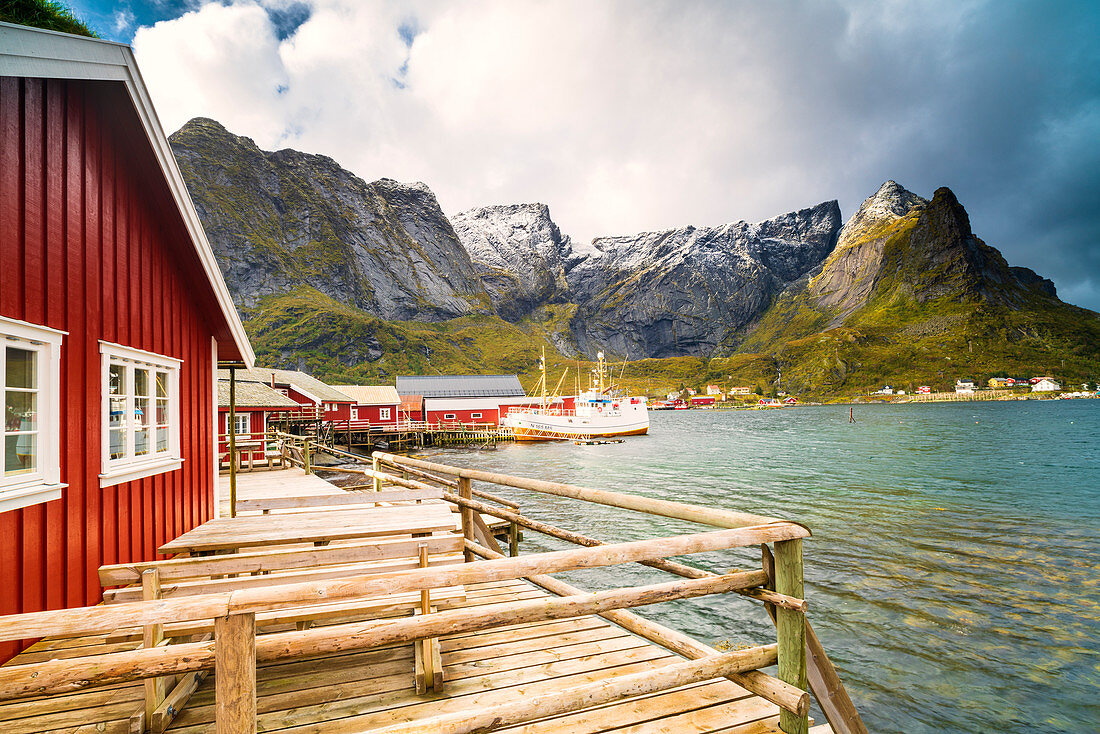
(601, 411)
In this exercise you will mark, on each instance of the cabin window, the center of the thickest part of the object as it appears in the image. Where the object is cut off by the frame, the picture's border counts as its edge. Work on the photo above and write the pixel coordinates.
(448, 416)
(475, 415)
(30, 367)
(241, 421)
(383, 414)
(141, 432)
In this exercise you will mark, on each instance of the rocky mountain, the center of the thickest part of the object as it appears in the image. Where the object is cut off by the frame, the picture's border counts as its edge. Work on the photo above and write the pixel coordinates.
(690, 290)
(360, 281)
(519, 254)
(911, 293)
(280, 221)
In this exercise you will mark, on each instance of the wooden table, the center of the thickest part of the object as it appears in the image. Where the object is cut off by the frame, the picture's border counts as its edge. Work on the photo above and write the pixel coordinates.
(232, 533)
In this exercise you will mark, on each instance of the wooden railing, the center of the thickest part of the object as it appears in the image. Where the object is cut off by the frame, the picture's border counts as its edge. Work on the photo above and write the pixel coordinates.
(235, 649)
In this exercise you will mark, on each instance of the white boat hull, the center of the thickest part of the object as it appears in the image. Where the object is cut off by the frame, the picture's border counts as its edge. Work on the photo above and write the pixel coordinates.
(539, 425)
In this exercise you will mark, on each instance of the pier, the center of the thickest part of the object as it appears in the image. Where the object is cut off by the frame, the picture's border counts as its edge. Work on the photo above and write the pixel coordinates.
(392, 607)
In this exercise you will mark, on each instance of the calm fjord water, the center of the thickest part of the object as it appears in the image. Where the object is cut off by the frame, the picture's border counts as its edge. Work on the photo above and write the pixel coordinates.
(954, 572)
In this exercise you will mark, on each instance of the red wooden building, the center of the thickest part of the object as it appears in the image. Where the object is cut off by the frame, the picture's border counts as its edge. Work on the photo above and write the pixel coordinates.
(113, 315)
(314, 397)
(255, 402)
(375, 405)
(464, 398)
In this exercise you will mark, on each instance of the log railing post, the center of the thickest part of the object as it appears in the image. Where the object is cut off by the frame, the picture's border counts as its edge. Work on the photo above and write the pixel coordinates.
(235, 673)
(152, 635)
(377, 468)
(306, 459)
(791, 626)
(513, 539)
(465, 492)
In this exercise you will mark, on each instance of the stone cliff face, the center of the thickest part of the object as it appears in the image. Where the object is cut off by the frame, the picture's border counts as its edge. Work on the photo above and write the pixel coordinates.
(688, 290)
(849, 274)
(519, 254)
(279, 221)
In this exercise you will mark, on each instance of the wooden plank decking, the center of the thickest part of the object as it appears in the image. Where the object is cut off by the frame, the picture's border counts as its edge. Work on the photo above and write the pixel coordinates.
(360, 691)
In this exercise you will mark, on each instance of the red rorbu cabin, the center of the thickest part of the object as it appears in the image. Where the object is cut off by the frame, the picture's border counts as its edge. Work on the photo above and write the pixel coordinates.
(113, 316)
(375, 405)
(255, 402)
(315, 399)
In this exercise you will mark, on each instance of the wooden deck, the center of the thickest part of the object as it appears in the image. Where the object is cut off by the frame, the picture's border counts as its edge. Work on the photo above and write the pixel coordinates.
(365, 690)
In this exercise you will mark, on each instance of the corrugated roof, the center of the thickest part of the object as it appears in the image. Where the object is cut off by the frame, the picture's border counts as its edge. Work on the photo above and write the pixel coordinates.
(251, 394)
(371, 394)
(460, 386)
(308, 383)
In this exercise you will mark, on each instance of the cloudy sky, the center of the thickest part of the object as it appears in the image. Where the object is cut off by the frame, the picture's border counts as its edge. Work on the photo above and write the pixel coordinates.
(639, 115)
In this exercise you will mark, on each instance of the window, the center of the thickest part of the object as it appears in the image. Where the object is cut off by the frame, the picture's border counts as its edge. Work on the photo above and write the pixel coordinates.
(384, 414)
(141, 431)
(448, 416)
(243, 423)
(355, 414)
(30, 367)
(475, 415)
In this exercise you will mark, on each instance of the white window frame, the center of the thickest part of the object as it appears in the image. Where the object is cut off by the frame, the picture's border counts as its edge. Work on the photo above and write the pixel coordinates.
(43, 484)
(384, 414)
(247, 421)
(130, 467)
(474, 415)
(448, 416)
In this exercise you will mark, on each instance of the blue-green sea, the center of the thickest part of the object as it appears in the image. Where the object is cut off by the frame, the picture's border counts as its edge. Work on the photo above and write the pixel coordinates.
(954, 571)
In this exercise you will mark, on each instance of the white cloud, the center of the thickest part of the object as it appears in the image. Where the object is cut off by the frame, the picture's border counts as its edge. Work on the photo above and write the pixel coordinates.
(627, 116)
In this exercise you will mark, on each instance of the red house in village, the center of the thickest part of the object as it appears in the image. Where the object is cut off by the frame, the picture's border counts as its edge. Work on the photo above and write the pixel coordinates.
(255, 402)
(113, 316)
(464, 398)
(375, 405)
(314, 397)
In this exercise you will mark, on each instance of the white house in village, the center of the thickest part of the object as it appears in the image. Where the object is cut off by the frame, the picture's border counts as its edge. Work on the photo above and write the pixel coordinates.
(1046, 384)
(964, 386)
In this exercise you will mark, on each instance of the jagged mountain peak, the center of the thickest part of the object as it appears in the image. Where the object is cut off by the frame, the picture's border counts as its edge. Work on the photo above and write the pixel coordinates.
(890, 203)
(519, 252)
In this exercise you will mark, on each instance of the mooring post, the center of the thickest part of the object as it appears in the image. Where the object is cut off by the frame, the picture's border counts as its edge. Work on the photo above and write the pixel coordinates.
(791, 626)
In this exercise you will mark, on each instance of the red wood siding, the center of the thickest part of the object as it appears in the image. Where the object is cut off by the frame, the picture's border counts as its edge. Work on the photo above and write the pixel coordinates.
(257, 424)
(91, 244)
(488, 415)
(372, 413)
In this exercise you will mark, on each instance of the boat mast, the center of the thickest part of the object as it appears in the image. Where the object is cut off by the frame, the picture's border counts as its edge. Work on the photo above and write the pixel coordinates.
(542, 367)
(599, 372)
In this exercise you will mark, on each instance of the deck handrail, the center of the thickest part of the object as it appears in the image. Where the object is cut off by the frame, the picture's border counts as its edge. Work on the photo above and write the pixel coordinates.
(665, 508)
(98, 619)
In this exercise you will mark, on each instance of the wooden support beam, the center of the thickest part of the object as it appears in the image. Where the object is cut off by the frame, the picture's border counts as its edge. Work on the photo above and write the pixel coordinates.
(770, 688)
(235, 673)
(824, 680)
(513, 539)
(152, 635)
(575, 698)
(791, 629)
(467, 514)
(175, 701)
